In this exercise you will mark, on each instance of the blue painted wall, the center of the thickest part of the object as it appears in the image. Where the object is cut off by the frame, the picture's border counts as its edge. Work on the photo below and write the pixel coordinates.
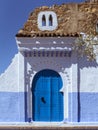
(12, 107)
(83, 107)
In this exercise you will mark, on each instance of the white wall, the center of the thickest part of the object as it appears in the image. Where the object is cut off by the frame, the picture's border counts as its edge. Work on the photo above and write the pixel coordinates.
(77, 74)
(88, 75)
(9, 79)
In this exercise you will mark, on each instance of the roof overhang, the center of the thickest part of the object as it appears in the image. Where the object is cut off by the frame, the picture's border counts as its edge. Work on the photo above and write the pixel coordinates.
(45, 44)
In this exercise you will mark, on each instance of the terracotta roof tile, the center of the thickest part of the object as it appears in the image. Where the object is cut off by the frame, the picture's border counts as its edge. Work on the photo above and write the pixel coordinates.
(73, 18)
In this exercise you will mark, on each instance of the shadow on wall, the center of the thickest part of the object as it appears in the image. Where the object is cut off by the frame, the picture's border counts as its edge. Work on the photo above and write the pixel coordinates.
(83, 62)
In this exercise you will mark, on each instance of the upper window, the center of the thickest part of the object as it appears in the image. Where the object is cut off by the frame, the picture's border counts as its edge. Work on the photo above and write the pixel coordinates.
(50, 20)
(43, 20)
(47, 20)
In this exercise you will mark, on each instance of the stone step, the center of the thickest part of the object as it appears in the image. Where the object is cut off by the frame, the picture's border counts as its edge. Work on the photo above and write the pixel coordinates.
(48, 128)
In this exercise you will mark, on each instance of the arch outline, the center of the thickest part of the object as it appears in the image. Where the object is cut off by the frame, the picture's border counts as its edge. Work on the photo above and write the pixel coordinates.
(53, 65)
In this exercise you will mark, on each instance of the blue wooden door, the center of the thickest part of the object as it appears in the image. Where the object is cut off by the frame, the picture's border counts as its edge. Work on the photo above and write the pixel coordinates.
(47, 98)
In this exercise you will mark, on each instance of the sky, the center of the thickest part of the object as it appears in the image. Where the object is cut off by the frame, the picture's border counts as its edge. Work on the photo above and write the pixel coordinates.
(13, 15)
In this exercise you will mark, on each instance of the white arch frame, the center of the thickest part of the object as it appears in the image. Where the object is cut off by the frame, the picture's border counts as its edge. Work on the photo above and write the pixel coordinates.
(64, 90)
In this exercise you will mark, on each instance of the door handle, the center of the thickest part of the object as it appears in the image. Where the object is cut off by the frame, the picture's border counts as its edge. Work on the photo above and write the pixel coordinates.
(43, 100)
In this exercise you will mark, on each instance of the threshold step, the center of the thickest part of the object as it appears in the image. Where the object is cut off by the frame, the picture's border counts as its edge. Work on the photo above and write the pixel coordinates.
(48, 128)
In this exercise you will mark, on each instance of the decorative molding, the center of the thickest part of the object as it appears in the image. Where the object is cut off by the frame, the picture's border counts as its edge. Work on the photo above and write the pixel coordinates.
(47, 53)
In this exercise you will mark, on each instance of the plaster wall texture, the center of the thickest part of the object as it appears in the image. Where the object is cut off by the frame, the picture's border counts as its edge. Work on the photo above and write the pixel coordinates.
(9, 79)
(44, 43)
(79, 103)
(86, 71)
(80, 69)
(11, 100)
(87, 76)
(83, 100)
(10, 108)
(79, 85)
(16, 95)
(83, 107)
(32, 65)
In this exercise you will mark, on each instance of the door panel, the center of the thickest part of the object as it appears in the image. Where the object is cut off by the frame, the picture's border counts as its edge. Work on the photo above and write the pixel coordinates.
(45, 99)
(54, 99)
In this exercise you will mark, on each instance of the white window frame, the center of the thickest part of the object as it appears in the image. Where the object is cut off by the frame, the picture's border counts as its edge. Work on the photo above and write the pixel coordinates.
(47, 15)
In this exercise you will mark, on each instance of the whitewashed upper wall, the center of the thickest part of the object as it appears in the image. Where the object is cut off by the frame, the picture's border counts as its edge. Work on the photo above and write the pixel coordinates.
(77, 74)
(88, 79)
(9, 79)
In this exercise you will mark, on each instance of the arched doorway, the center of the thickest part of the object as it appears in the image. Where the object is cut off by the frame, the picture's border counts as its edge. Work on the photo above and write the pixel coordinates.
(47, 99)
